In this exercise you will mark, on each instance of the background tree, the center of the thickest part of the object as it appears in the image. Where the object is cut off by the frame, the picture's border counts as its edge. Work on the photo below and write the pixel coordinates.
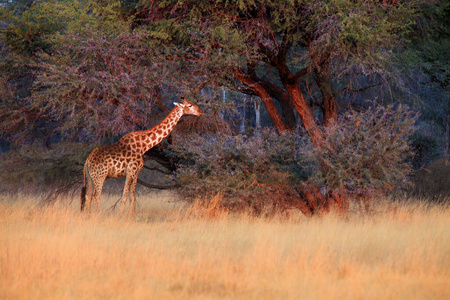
(106, 68)
(300, 53)
(426, 63)
(293, 52)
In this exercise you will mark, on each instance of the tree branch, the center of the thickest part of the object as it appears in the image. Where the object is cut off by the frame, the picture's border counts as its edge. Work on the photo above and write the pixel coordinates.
(158, 187)
(300, 73)
(281, 96)
(158, 170)
(359, 90)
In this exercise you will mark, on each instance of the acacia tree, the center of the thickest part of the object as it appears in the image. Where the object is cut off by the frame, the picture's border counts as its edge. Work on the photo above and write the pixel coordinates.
(302, 54)
(102, 69)
(299, 53)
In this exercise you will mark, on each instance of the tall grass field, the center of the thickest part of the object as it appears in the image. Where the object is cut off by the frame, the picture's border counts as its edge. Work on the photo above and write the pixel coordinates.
(172, 251)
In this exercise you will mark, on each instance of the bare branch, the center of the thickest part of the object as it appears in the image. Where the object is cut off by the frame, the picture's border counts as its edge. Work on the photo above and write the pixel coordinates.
(158, 187)
(358, 90)
(158, 170)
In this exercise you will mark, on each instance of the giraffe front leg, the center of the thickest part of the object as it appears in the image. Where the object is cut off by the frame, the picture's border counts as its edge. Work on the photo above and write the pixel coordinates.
(132, 194)
(126, 188)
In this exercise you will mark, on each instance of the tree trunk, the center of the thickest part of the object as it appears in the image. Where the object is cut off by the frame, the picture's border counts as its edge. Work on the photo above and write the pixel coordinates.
(244, 114)
(329, 110)
(282, 97)
(257, 104)
(338, 201)
(326, 88)
(322, 77)
(290, 83)
(224, 98)
(305, 112)
(265, 98)
(287, 110)
(311, 201)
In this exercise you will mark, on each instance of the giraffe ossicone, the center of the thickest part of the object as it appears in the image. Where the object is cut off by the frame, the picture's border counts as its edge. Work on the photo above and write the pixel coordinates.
(124, 158)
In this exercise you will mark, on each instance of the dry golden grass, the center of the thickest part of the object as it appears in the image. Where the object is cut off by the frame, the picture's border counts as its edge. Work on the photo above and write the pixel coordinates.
(170, 252)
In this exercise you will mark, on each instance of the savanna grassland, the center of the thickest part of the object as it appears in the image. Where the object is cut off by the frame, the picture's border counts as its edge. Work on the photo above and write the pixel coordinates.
(169, 251)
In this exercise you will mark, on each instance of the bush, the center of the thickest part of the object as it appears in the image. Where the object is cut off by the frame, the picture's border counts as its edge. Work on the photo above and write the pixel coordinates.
(365, 152)
(253, 171)
(54, 170)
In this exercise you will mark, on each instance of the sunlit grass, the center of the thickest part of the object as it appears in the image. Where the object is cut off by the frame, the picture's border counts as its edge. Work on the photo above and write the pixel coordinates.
(168, 251)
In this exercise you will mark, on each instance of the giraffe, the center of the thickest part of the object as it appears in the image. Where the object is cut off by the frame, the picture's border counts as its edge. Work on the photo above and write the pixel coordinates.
(124, 158)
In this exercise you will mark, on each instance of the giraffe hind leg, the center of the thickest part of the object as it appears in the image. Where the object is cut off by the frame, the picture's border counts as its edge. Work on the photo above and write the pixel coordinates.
(88, 192)
(98, 186)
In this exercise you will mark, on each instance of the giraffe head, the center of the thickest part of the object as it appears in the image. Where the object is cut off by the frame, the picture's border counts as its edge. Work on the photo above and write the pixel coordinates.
(189, 108)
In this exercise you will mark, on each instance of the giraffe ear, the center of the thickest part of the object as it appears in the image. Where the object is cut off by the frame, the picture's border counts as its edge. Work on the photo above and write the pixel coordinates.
(178, 104)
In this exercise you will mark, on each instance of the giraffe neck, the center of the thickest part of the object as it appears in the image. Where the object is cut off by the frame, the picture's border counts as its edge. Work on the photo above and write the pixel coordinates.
(142, 141)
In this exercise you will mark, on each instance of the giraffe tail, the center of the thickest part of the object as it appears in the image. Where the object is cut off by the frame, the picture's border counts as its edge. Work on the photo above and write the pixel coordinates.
(83, 189)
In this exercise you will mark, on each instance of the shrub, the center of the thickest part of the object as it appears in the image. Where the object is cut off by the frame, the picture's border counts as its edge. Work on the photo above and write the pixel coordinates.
(365, 152)
(249, 171)
(54, 170)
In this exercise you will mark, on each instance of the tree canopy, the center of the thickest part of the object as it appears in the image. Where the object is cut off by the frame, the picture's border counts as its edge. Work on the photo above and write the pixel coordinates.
(301, 53)
(87, 59)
